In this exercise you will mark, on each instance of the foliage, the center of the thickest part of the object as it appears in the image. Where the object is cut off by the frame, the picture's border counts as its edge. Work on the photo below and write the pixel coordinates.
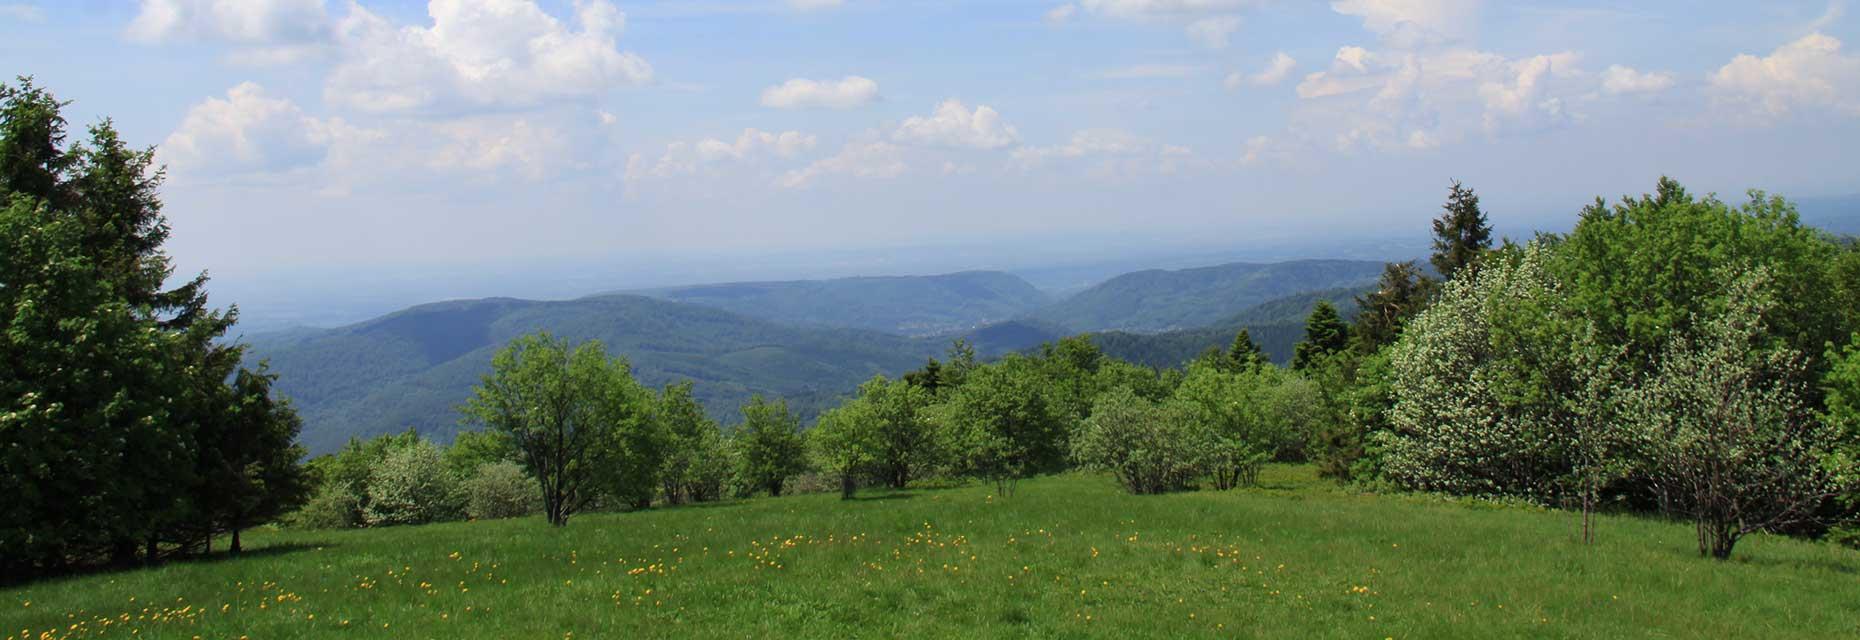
(1733, 443)
(1401, 293)
(1325, 335)
(696, 465)
(846, 443)
(499, 490)
(473, 449)
(412, 485)
(1240, 433)
(1149, 447)
(568, 412)
(1000, 425)
(770, 449)
(906, 443)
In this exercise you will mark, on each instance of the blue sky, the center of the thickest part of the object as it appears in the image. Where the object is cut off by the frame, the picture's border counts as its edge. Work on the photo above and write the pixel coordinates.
(413, 135)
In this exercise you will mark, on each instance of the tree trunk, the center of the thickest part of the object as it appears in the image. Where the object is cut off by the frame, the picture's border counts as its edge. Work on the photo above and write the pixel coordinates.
(775, 489)
(847, 486)
(149, 558)
(123, 552)
(235, 541)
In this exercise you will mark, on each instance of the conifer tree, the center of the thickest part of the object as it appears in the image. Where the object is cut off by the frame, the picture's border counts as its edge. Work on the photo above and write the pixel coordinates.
(1325, 334)
(1461, 232)
(1400, 294)
(1244, 354)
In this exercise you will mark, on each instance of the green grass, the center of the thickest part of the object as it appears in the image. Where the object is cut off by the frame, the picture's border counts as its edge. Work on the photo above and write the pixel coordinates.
(1068, 556)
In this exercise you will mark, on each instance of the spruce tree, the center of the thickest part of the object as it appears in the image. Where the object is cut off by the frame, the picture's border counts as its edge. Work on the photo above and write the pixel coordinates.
(1245, 355)
(1461, 232)
(1325, 334)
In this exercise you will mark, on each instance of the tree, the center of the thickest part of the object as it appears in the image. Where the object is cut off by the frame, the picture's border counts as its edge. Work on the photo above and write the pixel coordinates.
(846, 443)
(1245, 354)
(1000, 426)
(770, 448)
(1461, 233)
(1401, 292)
(1227, 409)
(906, 442)
(1325, 334)
(111, 383)
(688, 431)
(499, 490)
(1734, 445)
(1150, 447)
(563, 409)
(250, 469)
(471, 450)
(1647, 268)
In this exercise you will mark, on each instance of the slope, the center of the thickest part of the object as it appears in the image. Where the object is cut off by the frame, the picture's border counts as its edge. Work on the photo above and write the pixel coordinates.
(909, 305)
(1156, 300)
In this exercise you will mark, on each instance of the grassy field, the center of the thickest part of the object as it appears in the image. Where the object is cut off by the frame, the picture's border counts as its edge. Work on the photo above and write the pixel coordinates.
(1069, 556)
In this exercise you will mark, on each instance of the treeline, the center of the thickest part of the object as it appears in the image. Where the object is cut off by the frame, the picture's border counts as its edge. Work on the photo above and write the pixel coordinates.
(1672, 354)
(128, 430)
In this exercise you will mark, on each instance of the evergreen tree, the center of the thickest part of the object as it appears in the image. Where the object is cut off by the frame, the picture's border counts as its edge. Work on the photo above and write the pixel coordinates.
(1245, 354)
(1461, 233)
(1401, 293)
(1325, 334)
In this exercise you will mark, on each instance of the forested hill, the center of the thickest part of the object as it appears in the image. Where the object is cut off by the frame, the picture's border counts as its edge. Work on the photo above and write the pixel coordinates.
(1156, 300)
(1276, 326)
(414, 367)
(907, 305)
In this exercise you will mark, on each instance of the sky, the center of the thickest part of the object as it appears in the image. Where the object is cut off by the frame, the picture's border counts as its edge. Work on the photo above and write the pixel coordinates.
(305, 139)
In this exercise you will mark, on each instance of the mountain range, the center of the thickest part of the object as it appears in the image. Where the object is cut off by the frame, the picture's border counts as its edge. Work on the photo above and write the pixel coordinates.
(810, 342)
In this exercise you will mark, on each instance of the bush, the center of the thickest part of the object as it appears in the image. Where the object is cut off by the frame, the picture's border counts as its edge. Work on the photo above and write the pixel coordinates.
(1150, 447)
(500, 490)
(334, 505)
(411, 485)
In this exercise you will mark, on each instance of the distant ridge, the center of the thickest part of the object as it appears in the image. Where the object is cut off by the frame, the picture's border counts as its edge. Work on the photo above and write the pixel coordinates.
(1157, 300)
(906, 305)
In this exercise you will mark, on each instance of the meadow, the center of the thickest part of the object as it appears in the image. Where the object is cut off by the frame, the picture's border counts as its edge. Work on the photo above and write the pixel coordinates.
(1063, 557)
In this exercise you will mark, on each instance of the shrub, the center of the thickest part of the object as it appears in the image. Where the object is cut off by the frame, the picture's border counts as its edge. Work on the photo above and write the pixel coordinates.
(411, 485)
(1150, 447)
(334, 505)
(500, 490)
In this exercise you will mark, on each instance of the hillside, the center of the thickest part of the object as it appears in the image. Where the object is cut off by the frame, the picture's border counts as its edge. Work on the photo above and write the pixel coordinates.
(1065, 557)
(1156, 300)
(1276, 325)
(908, 305)
(414, 367)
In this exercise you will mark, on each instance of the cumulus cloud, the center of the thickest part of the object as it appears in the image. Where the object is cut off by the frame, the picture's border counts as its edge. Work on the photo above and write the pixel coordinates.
(1061, 14)
(248, 22)
(1407, 23)
(1617, 80)
(1416, 100)
(247, 131)
(954, 125)
(1809, 73)
(859, 159)
(478, 54)
(1213, 32)
(1275, 72)
(846, 93)
(689, 158)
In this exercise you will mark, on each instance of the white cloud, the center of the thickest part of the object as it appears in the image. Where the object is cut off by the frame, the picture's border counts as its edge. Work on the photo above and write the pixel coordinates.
(479, 54)
(249, 22)
(846, 93)
(1213, 32)
(1161, 8)
(1414, 100)
(860, 159)
(1061, 14)
(816, 5)
(1809, 73)
(1109, 152)
(247, 131)
(1407, 23)
(954, 125)
(1617, 79)
(21, 12)
(1150, 71)
(689, 158)
(492, 144)
(1277, 69)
